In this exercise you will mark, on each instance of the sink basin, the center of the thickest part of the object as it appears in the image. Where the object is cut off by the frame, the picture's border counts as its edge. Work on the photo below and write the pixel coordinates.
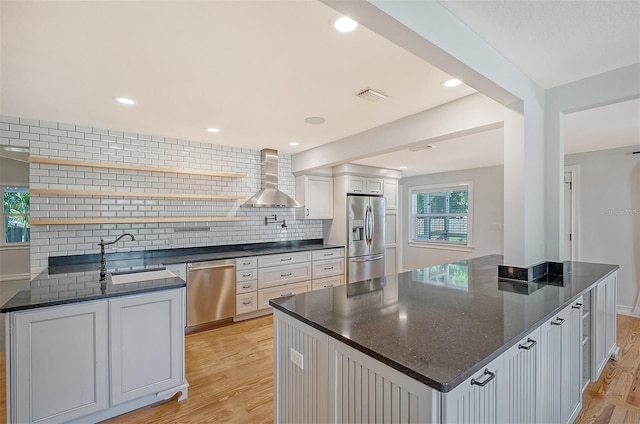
(135, 277)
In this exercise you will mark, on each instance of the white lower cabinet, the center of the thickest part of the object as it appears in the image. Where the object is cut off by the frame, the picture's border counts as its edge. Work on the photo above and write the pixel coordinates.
(603, 324)
(58, 363)
(476, 400)
(571, 394)
(265, 295)
(146, 344)
(85, 361)
(519, 383)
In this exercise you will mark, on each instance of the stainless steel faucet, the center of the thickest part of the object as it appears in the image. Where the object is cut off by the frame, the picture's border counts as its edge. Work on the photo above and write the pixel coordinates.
(103, 261)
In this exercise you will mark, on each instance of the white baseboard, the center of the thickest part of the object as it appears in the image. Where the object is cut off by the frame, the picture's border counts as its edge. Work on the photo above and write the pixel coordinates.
(14, 277)
(626, 310)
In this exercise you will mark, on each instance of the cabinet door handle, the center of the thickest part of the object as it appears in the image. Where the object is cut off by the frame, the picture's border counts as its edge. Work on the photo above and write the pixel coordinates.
(286, 259)
(246, 302)
(356, 190)
(375, 191)
(307, 212)
(328, 268)
(286, 294)
(576, 306)
(330, 285)
(285, 275)
(487, 380)
(525, 346)
(558, 321)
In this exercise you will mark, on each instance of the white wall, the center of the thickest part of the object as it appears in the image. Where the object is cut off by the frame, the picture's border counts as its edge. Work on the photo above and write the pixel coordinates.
(78, 142)
(487, 210)
(609, 222)
(14, 260)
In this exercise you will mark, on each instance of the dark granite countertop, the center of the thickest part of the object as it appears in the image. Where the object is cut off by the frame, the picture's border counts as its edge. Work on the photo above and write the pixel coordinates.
(72, 279)
(441, 324)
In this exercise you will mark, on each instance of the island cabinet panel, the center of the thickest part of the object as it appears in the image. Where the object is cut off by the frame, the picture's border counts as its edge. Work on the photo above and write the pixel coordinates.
(301, 372)
(363, 390)
(518, 387)
(58, 364)
(603, 324)
(146, 344)
(476, 400)
(549, 378)
(572, 362)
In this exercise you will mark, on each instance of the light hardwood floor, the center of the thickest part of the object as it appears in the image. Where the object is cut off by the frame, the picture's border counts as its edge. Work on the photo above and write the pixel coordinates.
(230, 372)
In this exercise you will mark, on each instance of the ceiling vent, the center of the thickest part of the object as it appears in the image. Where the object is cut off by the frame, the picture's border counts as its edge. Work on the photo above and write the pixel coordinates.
(372, 95)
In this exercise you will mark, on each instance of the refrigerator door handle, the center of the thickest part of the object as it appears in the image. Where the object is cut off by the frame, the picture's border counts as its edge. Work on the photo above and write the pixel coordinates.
(375, 258)
(371, 225)
(366, 225)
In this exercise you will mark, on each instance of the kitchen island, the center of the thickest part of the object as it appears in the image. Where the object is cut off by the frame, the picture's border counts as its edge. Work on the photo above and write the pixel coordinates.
(449, 343)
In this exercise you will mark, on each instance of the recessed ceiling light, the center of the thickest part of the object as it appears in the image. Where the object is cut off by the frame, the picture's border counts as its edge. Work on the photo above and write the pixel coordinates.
(213, 130)
(315, 120)
(403, 167)
(125, 101)
(423, 147)
(345, 24)
(294, 143)
(453, 82)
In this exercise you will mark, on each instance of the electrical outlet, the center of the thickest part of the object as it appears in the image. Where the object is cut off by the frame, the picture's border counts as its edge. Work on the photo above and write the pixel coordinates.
(297, 358)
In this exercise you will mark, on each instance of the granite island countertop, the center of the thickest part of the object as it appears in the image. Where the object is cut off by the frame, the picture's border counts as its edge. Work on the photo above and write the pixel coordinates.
(440, 324)
(73, 279)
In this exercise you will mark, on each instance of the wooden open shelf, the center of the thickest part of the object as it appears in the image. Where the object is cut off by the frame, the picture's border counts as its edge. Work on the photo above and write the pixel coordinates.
(130, 167)
(85, 193)
(150, 220)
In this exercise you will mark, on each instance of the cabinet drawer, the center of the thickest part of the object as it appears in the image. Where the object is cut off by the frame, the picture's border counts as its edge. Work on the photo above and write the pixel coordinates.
(246, 275)
(323, 283)
(246, 302)
(246, 263)
(264, 295)
(328, 268)
(283, 259)
(319, 255)
(279, 275)
(246, 286)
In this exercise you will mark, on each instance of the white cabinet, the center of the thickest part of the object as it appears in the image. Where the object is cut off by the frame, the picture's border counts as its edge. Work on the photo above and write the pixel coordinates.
(58, 363)
(316, 194)
(550, 366)
(365, 185)
(390, 262)
(93, 360)
(571, 394)
(603, 336)
(476, 400)
(265, 295)
(328, 268)
(391, 193)
(146, 344)
(519, 382)
(246, 285)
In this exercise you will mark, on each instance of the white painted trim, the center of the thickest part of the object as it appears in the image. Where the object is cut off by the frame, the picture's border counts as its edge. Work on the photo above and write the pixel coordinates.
(575, 210)
(626, 310)
(443, 246)
(15, 277)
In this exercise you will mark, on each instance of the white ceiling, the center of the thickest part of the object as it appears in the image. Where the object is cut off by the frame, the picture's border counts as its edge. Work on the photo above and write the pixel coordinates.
(256, 69)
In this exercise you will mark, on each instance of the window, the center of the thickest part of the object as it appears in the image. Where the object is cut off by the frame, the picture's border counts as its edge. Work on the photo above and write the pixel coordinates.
(15, 215)
(441, 215)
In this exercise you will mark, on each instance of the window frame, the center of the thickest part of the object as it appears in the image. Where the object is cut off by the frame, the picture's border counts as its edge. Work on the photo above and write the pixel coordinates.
(3, 228)
(435, 244)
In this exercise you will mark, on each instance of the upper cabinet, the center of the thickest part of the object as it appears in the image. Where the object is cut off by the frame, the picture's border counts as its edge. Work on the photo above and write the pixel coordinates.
(391, 193)
(365, 185)
(315, 192)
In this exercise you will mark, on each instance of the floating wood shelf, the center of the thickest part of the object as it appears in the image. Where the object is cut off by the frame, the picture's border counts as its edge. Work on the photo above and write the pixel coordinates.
(50, 192)
(150, 220)
(130, 167)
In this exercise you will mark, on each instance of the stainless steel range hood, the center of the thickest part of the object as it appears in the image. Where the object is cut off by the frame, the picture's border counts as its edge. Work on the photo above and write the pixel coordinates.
(269, 196)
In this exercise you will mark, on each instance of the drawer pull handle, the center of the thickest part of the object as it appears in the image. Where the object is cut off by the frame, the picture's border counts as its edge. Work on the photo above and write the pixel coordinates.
(328, 268)
(246, 275)
(483, 383)
(285, 275)
(286, 259)
(375, 191)
(246, 286)
(286, 294)
(558, 321)
(525, 346)
(330, 285)
(357, 190)
(328, 254)
(246, 263)
(246, 302)
(578, 305)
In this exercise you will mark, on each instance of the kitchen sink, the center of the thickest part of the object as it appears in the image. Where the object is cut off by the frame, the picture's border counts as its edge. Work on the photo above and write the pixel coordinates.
(137, 276)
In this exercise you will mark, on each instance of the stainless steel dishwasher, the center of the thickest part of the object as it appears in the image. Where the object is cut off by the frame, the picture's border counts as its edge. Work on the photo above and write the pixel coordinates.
(211, 292)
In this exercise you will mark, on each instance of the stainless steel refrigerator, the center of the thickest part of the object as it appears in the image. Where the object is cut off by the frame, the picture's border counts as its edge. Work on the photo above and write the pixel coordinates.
(365, 224)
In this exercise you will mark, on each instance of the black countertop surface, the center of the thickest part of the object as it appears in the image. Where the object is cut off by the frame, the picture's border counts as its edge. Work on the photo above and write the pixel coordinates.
(72, 279)
(441, 324)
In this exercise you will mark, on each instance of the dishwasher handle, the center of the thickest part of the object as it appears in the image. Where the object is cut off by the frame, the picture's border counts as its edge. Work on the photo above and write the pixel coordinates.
(201, 267)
